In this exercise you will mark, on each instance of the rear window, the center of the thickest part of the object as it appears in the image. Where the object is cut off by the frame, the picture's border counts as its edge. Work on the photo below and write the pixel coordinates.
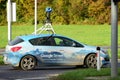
(15, 41)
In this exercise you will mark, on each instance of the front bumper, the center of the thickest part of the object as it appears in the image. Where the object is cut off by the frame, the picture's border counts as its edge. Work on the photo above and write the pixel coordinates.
(106, 60)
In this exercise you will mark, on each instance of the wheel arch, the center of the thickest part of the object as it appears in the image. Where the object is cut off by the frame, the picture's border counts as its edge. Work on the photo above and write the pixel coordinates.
(28, 55)
(84, 63)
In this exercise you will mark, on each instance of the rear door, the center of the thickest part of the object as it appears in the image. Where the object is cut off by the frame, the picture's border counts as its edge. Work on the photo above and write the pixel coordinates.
(46, 50)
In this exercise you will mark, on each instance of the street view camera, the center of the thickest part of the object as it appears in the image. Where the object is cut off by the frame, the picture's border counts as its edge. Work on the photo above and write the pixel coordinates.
(48, 11)
(47, 26)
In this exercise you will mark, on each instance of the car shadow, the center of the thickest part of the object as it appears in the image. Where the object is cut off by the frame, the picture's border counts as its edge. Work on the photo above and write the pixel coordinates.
(56, 68)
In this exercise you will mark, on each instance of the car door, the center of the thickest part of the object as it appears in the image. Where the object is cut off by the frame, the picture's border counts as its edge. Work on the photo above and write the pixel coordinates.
(46, 50)
(70, 49)
(41, 49)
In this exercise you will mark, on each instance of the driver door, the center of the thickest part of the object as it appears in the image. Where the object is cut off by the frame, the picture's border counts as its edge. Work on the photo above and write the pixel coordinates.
(69, 49)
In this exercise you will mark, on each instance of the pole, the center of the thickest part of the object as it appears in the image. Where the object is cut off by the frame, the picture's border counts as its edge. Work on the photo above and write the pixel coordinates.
(35, 16)
(9, 10)
(114, 38)
(98, 59)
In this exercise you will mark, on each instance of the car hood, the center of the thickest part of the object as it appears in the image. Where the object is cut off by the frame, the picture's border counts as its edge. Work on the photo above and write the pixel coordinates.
(90, 47)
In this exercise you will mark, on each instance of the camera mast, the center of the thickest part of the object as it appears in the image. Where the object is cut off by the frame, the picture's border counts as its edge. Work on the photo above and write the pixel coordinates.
(48, 24)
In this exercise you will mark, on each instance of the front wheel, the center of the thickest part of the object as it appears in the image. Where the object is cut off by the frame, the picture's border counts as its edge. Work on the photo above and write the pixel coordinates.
(91, 61)
(28, 62)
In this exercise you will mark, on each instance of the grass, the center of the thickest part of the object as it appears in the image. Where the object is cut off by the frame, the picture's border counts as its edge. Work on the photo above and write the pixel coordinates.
(98, 35)
(1, 60)
(109, 51)
(82, 74)
(16, 31)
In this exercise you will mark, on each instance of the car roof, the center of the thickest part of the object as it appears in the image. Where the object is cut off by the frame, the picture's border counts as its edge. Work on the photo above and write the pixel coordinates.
(31, 36)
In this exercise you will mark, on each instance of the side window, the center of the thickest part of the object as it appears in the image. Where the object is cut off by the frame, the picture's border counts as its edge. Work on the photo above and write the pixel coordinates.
(79, 45)
(60, 41)
(41, 41)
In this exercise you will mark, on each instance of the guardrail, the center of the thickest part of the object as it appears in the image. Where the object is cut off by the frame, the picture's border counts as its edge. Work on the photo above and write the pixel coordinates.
(2, 51)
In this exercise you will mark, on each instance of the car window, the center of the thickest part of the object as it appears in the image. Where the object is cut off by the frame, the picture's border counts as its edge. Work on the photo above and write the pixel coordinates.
(60, 41)
(15, 41)
(41, 41)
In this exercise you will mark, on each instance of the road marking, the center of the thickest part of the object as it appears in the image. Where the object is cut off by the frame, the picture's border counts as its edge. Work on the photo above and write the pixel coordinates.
(33, 78)
(118, 60)
(40, 78)
(53, 75)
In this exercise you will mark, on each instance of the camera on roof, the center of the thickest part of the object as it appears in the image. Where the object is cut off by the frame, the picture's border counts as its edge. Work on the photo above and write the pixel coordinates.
(48, 9)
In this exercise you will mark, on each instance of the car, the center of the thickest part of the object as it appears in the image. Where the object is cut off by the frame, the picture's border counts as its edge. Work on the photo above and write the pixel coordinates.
(28, 51)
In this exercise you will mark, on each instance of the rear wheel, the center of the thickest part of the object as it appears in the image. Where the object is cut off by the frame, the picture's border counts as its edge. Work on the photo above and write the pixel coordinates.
(28, 62)
(91, 61)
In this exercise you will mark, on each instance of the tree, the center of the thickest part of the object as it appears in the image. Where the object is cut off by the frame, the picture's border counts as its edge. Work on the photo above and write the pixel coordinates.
(3, 12)
(99, 11)
(61, 11)
(64, 11)
(78, 11)
(25, 10)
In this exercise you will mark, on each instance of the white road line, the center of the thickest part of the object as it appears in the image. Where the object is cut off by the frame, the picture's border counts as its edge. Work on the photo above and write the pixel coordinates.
(40, 78)
(33, 78)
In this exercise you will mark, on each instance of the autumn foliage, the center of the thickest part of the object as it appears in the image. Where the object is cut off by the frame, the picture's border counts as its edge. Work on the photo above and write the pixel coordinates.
(64, 11)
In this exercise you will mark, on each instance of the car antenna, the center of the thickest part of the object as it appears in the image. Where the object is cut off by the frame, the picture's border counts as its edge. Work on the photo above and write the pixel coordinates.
(47, 26)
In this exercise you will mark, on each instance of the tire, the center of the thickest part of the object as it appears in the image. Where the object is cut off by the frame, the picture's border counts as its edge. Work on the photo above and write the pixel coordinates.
(28, 62)
(91, 61)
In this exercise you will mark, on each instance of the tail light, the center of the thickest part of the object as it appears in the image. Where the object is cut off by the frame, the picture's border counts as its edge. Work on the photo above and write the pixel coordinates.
(15, 49)
(96, 54)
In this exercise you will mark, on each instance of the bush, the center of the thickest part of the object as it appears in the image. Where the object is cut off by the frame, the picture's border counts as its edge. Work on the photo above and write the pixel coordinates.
(1, 60)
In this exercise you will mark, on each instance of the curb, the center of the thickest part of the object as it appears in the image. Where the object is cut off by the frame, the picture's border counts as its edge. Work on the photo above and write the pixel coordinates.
(2, 51)
(118, 60)
(98, 78)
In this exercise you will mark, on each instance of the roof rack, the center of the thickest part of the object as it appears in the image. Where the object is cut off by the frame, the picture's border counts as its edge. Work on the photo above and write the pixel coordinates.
(47, 26)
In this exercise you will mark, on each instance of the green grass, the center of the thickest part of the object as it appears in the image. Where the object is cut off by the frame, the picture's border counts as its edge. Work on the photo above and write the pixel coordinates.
(109, 51)
(16, 31)
(1, 60)
(81, 74)
(98, 35)
(94, 35)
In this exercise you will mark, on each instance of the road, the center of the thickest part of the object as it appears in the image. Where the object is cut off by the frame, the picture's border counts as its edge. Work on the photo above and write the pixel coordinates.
(41, 73)
(8, 73)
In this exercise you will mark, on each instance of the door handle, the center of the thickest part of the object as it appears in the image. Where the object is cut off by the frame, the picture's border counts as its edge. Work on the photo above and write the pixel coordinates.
(61, 50)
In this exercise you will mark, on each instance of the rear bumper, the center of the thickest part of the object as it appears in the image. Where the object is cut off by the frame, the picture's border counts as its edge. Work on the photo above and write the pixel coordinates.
(11, 59)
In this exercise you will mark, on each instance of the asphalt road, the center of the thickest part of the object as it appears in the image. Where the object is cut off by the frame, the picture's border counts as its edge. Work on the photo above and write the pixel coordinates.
(42, 73)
